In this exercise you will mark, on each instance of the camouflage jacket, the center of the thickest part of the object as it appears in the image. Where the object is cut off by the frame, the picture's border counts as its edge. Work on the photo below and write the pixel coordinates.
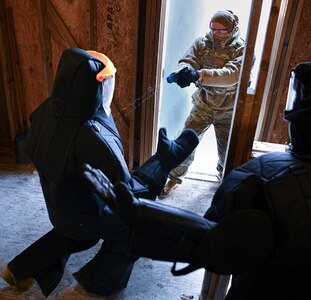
(220, 71)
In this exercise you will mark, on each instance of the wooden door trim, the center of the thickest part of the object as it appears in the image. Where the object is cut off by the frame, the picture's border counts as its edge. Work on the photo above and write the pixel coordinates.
(146, 91)
(241, 116)
(282, 49)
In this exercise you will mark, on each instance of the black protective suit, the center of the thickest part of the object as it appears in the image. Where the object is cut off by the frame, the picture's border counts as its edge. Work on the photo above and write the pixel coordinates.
(67, 130)
(258, 227)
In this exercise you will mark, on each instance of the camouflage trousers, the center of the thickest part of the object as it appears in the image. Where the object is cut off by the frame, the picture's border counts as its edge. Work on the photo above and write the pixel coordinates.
(200, 119)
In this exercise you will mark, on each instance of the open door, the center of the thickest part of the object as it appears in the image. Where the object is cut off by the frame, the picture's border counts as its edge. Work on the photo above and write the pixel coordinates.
(250, 107)
(182, 25)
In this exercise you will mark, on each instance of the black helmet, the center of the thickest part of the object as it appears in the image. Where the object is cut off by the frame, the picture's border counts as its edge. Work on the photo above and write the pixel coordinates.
(299, 92)
(298, 109)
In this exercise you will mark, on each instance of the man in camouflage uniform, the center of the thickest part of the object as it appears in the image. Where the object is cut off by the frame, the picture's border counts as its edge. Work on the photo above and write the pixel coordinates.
(213, 63)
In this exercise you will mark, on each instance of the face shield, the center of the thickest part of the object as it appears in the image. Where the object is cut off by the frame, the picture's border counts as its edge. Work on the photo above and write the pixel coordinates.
(107, 92)
(107, 77)
(299, 89)
(291, 94)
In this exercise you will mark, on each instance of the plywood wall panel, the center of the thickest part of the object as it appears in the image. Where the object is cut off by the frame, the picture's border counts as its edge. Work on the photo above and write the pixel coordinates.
(75, 15)
(27, 30)
(116, 37)
(301, 52)
(57, 51)
(44, 29)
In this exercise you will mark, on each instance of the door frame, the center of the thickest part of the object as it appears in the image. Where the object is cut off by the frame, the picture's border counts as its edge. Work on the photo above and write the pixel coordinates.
(248, 106)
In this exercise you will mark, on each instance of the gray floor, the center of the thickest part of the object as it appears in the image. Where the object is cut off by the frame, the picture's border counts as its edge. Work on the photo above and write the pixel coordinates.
(24, 219)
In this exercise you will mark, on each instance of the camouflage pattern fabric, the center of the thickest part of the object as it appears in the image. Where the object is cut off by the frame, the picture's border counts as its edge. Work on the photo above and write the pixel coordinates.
(200, 119)
(214, 99)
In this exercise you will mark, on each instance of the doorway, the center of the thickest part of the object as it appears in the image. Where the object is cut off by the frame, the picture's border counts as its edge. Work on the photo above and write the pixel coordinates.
(185, 21)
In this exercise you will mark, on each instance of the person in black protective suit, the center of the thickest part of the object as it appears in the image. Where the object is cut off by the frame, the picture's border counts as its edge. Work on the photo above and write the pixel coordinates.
(72, 127)
(258, 227)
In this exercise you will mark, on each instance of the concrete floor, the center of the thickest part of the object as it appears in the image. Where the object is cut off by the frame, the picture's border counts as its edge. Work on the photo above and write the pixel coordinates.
(23, 219)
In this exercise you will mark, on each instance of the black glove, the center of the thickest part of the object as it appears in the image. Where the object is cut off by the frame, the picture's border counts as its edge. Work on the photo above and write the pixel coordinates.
(186, 76)
(99, 182)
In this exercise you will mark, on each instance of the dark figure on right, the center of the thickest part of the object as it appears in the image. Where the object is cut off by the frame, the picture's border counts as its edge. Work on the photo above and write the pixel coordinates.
(258, 227)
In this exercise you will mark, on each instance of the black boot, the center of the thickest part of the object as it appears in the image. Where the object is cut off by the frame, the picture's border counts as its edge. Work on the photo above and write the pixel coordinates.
(154, 172)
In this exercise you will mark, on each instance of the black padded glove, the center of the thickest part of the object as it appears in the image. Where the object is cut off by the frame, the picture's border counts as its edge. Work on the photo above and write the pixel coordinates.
(187, 76)
(123, 203)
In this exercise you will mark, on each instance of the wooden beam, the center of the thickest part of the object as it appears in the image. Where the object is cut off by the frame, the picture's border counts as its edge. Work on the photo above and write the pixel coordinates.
(92, 32)
(45, 41)
(256, 101)
(214, 286)
(5, 133)
(242, 112)
(21, 117)
(146, 113)
(51, 24)
(283, 44)
(58, 28)
(8, 74)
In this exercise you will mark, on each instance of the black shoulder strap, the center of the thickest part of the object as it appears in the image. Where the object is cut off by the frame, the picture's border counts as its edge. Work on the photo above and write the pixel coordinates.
(96, 124)
(185, 270)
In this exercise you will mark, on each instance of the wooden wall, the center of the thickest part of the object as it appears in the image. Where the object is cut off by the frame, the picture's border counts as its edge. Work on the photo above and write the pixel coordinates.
(33, 34)
(301, 51)
(40, 30)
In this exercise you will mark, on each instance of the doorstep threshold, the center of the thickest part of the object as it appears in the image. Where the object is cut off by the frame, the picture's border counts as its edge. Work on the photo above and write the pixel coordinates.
(202, 176)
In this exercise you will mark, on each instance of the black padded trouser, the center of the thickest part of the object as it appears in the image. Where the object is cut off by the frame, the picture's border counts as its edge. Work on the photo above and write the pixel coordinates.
(46, 258)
